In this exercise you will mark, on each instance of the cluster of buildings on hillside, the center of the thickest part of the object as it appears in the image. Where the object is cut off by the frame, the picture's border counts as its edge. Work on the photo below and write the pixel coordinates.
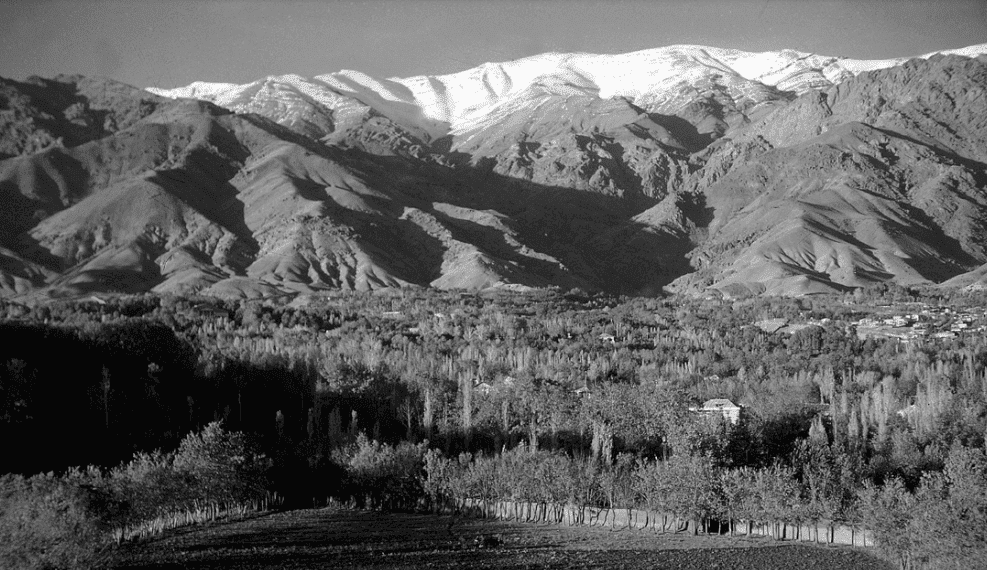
(927, 322)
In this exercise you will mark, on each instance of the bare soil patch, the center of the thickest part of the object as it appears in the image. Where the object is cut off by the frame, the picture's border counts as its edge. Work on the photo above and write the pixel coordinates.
(336, 538)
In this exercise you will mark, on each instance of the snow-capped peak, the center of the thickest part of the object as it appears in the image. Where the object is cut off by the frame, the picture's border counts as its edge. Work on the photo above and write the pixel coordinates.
(457, 102)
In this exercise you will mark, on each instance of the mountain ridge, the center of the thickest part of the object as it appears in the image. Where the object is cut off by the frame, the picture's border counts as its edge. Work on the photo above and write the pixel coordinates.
(715, 183)
(580, 74)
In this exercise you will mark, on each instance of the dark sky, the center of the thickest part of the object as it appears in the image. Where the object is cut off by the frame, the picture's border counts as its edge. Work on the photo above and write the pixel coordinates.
(168, 43)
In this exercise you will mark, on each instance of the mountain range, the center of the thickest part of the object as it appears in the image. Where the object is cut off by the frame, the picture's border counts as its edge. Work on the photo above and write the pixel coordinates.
(684, 169)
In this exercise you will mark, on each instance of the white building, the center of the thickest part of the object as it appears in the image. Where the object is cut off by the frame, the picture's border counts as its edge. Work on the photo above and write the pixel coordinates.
(721, 406)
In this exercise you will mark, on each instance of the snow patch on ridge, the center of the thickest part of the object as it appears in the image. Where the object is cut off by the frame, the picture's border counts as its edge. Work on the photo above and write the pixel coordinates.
(434, 106)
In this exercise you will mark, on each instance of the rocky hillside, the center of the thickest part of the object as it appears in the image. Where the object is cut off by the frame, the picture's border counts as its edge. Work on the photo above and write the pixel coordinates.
(682, 169)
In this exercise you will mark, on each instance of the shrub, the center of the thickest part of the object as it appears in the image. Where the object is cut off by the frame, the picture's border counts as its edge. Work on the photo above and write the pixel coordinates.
(149, 486)
(221, 465)
(389, 476)
(740, 499)
(49, 522)
(888, 511)
(949, 528)
(517, 474)
(688, 487)
(66, 521)
(617, 484)
(441, 476)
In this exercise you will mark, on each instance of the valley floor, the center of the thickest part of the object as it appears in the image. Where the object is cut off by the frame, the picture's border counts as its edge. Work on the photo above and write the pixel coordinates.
(336, 538)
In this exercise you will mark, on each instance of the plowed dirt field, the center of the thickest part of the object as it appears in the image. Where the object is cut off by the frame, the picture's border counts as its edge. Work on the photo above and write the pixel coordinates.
(335, 538)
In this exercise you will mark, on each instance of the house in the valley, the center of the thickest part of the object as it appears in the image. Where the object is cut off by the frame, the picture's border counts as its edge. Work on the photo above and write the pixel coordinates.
(720, 406)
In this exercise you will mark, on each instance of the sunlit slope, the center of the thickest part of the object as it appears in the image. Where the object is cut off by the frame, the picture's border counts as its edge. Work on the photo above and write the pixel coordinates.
(195, 199)
(703, 170)
(833, 213)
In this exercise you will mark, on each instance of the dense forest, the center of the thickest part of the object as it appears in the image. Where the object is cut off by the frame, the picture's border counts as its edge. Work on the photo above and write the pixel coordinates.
(560, 397)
